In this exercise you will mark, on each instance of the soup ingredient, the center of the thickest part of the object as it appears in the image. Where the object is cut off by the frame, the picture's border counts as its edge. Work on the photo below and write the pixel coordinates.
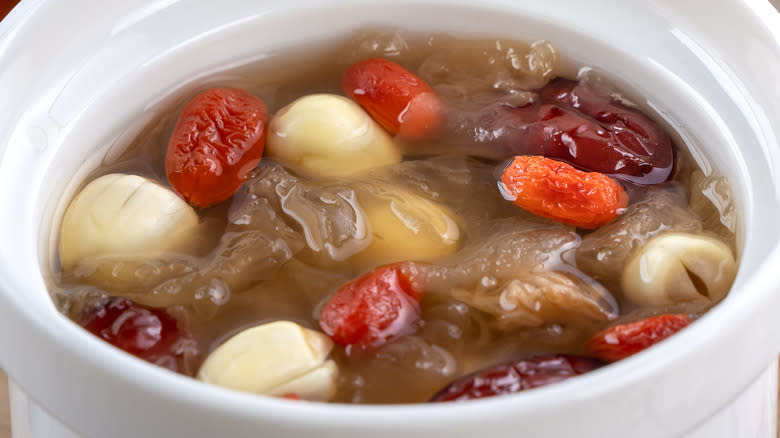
(510, 247)
(396, 98)
(274, 218)
(516, 376)
(375, 308)
(130, 276)
(605, 252)
(405, 226)
(623, 340)
(328, 135)
(462, 185)
(256, 243)
(574, 122)
(218, 139)
(277, 358)
(558, 191)
(491, 283)
(150, 334)
(326, 216)
(411, 368)
(674, 267)
(124, 216)
(468, 67)
(633, 148)
(532, 299)
(708, 191)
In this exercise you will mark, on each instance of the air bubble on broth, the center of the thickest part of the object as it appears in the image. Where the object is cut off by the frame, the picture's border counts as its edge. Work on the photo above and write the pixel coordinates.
(452, 338)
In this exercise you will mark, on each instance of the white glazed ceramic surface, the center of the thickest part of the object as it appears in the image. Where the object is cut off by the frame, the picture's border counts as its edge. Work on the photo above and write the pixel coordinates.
(78, 78)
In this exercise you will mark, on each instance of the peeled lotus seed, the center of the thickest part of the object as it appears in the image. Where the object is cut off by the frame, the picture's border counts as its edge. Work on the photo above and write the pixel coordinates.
(328, 135)
(127, 216)
(275, 359)
(675, 267)
(406, 226)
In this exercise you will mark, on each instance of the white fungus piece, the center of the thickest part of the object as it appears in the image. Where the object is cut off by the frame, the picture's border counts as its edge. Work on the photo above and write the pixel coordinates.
(405, 226)
(533, 299)
(125, 216)
(327, 216)
(675, 267)
(328, 135)
(605, 252)
(512, 247)
(276, 359)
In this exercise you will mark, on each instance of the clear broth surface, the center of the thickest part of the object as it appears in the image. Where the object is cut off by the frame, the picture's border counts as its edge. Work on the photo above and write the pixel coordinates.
(452, 338)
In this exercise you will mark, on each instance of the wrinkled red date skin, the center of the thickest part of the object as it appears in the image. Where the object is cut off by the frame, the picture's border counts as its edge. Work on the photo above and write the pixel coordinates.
(573, 122)
(516, 376)
(150, 334)
(218, 139)
(373, 309)
(623, 340)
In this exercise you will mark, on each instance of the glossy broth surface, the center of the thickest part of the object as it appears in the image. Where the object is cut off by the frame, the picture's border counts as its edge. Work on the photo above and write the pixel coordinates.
(288, 251)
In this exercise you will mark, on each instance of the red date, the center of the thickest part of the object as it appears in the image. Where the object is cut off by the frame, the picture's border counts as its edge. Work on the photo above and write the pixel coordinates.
(574, 122)
(150, 334)
(516, 376)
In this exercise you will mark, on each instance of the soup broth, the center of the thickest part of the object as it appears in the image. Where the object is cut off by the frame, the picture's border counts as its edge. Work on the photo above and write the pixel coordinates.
(285, 242)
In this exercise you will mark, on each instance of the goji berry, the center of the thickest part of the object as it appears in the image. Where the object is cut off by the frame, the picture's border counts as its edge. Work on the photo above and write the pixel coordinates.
(516, 376)
(375, 308)
(218, 139)
(576, 123)
(147, 333)
(623, 340)
(396, 98)
(558, 191)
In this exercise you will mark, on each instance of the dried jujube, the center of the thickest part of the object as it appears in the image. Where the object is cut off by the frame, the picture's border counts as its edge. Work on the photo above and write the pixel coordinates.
(574, 122)
(516, 376)
(150, 334)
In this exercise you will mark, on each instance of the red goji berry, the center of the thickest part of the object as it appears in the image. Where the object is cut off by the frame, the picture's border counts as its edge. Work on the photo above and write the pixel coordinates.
(373, 309)
(623, 340)
(396, 98)
(558, 191)
(218, 139)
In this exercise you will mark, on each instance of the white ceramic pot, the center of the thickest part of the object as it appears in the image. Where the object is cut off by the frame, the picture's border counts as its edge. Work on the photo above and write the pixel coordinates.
(79, 77)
